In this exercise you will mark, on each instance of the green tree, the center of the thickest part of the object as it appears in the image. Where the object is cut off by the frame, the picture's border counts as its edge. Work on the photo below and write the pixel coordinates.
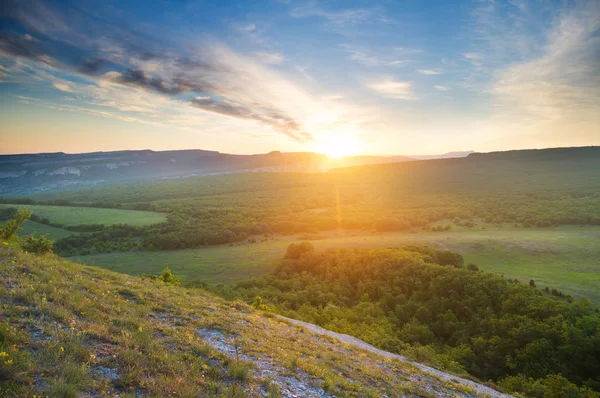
(295, 251)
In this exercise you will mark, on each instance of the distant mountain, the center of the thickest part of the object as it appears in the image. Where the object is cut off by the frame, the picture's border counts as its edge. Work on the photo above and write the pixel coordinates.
(20, 174)
(447, 155)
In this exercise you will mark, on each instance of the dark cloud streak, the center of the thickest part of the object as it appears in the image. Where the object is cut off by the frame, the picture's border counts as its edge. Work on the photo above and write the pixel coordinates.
(279, 122)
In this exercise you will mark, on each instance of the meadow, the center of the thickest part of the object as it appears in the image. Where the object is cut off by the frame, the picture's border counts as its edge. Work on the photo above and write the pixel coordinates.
(564, 258)
(72, 216)
(32, 227)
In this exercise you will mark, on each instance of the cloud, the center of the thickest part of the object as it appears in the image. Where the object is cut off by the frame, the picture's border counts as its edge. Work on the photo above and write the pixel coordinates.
(392, 88)
(391, 58)
(279, 122)
(441, 88)
(553, 92)
(340, 18)
(74, 43)
(430, 71)
(64, 86)
(270, 58)
(564, 78)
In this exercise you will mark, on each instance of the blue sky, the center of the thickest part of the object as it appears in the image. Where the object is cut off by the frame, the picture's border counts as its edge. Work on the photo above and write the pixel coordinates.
(391, 77)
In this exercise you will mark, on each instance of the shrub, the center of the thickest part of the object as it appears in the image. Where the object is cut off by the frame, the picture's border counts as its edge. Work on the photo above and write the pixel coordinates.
(239, 371)
(40, 245)
(168, 277)
(13, 226)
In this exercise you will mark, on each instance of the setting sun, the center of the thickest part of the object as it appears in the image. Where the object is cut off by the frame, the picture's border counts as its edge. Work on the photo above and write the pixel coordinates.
(337, 146)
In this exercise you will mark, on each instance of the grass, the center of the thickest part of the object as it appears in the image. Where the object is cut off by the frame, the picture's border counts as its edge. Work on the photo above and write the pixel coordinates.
(70, 330)
(70, 216)
(30, 227)
(565, 258)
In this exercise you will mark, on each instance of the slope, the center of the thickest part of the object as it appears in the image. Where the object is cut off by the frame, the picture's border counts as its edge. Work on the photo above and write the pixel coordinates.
(70, 330)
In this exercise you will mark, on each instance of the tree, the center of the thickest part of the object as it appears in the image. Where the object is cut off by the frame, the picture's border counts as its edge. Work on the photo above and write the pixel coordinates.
(472, 267)
(295, 251)
(532, 283)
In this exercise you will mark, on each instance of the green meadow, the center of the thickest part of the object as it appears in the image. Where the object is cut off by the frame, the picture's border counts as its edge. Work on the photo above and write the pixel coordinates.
(70, 216)
(32, 227)
(564, 258)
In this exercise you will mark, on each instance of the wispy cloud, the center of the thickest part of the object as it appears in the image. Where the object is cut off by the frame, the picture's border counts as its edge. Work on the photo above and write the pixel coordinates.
(543, 90)
(391, 58)
(142, 65)
(392, 88)
(441, 88)
(430, 71)
(64, 86)
(343, 17)
(271, 58)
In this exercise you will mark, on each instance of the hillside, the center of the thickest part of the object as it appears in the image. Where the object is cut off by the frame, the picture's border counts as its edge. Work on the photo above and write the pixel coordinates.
(70, 330)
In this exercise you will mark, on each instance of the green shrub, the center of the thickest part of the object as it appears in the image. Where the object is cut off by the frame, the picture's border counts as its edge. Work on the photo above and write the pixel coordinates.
(11, 227)
(39, 245)
(168, 277)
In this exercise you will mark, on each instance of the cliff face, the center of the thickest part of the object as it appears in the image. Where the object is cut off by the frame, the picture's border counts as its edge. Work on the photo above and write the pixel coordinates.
(71, 330)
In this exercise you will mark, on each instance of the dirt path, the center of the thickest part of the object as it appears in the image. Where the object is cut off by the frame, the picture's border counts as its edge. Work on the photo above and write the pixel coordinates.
(353, 341)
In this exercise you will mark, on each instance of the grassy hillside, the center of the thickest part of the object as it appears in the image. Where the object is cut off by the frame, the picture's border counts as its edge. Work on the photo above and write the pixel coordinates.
(564, 258)
(68, 330)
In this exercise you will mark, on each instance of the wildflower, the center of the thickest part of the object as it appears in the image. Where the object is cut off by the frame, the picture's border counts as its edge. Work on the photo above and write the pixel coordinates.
(9, 362)
(62, 349)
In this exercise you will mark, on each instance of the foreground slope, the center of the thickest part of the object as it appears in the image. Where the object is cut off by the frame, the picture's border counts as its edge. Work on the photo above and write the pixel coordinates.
(71, 330)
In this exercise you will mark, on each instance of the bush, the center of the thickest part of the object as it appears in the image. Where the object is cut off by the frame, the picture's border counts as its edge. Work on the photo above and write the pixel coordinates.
(40, 245)
(168, 277)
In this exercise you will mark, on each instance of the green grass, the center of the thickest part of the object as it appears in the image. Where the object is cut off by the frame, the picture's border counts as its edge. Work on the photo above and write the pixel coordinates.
(70, 216)
(565, 258)
(30, 227)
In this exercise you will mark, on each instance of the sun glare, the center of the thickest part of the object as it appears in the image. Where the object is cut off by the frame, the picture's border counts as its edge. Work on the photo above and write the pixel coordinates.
(337, 146)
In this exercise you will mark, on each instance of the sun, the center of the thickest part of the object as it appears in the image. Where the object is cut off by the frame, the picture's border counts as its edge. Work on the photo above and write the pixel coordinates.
(338, 146)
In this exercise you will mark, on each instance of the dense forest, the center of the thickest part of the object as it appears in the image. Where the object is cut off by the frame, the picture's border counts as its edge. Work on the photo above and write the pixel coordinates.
(426, 304)
(521, 188)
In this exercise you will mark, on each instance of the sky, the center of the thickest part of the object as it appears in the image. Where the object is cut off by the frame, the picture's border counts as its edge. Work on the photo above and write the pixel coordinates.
(392, 77)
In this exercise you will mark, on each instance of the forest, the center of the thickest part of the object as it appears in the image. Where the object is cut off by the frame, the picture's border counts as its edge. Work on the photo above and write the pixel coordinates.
(426, 304)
